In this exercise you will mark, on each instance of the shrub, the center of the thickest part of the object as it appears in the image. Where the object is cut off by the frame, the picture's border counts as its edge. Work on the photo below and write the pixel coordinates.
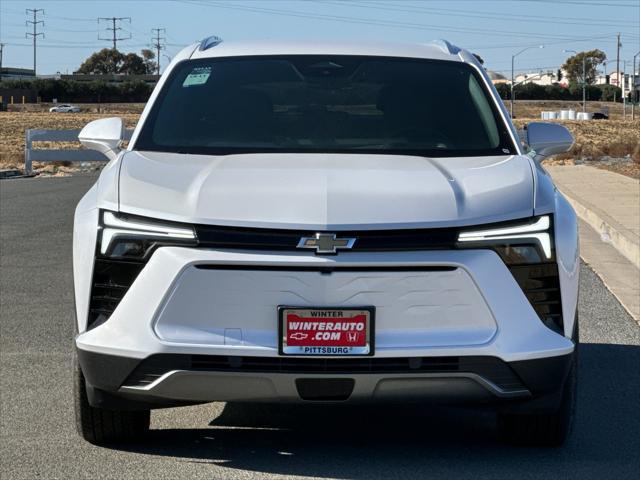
(529, 91)
(504, 90)
(610, 92)
(83, 92)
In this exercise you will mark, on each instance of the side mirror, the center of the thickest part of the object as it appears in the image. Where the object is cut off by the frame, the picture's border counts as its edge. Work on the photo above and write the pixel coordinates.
(104, 135)
(547, 139)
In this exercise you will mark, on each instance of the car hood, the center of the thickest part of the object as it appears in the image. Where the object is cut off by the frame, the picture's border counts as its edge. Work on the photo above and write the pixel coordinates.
(326, 191)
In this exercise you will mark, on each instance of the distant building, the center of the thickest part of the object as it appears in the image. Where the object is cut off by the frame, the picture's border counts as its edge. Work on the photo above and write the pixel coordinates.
(622, 80)
(539, 78)
(601, 79)
(115, 78)
(11, 73)
(497, 78)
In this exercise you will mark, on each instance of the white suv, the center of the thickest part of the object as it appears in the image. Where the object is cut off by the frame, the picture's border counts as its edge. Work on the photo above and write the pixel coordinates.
(325, 223)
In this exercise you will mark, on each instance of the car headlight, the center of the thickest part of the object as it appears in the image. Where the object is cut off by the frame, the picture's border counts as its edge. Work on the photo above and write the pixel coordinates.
(527, 242)
(131, 237)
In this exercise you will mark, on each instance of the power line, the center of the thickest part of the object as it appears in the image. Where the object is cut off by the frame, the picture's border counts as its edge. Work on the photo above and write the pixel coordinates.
(114, 29)
(591, 4)
(158, 44)
(65, 46)
(35, 34)
(589, 39)
(65, 30)
(477, 14)
(60, 41)
(376, 22)
(72, 19)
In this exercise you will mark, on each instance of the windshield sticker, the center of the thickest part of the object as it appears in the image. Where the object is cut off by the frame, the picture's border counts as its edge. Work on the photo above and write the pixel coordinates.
(198, 76)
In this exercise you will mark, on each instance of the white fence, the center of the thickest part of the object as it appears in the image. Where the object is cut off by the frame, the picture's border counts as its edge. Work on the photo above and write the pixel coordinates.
(58, 155)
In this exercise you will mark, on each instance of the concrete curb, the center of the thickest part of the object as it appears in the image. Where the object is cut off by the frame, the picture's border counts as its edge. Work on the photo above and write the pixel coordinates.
(609, 231)
(619, 275)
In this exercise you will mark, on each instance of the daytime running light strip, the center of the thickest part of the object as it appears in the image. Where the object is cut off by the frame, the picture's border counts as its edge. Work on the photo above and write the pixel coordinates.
(535, 231)
(116, 227)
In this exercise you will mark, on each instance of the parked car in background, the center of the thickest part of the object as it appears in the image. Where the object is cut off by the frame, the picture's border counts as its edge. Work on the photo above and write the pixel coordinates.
(325, 223)
(65, 108)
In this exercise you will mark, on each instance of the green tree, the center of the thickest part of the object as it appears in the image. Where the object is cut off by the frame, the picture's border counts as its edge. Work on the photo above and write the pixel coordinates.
(111, 61)
(573, 66)
(132, 64)
(106, 61)
(149, 60)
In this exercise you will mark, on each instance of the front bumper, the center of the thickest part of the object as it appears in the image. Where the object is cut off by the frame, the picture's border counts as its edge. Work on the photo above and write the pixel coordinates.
(178, 379)
(223, 304)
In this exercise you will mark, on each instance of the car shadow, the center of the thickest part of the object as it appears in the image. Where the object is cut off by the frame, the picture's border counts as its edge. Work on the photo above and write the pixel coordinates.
(420, 441)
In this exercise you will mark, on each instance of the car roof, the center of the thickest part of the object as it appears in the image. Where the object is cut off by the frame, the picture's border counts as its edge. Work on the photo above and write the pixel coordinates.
(439, 50)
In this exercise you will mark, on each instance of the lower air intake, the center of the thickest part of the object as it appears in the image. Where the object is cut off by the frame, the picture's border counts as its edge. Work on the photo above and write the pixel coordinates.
(111, 280)
(541, 285)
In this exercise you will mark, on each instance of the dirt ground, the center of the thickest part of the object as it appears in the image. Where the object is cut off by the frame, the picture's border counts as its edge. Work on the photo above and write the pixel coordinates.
(612, 144)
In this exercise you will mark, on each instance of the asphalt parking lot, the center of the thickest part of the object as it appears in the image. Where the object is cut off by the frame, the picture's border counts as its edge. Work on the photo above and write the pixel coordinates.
(214, 441)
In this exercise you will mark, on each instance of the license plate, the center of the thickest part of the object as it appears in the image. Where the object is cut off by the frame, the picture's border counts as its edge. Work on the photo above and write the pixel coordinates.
(326, 331)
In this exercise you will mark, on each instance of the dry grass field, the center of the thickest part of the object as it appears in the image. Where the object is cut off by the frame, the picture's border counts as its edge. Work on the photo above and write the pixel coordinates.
(14, 124)
(612, 144)
(532, 108)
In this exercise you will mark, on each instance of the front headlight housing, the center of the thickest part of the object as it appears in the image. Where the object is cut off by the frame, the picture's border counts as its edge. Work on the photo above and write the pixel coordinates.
(527, 248)
(130, 237)
(516, 243)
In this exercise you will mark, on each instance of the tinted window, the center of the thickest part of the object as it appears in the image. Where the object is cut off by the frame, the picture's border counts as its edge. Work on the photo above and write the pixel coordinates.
(325, 104)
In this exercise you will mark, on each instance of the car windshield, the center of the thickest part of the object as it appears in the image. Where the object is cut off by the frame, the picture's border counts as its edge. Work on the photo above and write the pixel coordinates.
(325, 104)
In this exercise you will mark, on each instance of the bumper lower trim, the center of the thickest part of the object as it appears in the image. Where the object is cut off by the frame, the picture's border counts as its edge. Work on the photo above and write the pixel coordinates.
(492, 369)
(221, 386)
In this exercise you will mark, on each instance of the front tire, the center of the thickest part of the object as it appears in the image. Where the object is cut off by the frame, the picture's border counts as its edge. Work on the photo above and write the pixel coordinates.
(545, 429)
(100, 426)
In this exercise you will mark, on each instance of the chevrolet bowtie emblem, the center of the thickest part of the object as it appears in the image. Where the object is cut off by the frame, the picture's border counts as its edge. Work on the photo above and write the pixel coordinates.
(326, 243)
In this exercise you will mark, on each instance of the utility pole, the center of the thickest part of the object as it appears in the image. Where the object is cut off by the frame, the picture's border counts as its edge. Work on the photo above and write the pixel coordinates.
(618, 62)
(513, 57)
(633, 85)
(114, 29)
(35, 34)
(584, 83)
(158, 44)
(2, 48)
(624, 84)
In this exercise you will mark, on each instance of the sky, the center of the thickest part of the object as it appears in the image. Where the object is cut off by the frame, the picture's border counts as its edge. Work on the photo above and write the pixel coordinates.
(494, 29)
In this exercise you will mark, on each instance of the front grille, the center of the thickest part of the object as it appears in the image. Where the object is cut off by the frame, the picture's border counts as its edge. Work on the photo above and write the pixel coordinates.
(490, 368)
(210, 236)
(541, 285)
(111, 280)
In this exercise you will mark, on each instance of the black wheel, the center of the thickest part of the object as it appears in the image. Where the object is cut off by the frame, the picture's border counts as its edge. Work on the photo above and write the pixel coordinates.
(545, 429)
(100, 426)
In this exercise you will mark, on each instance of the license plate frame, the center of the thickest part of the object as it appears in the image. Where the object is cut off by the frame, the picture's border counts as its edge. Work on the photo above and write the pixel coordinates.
(285, 349)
